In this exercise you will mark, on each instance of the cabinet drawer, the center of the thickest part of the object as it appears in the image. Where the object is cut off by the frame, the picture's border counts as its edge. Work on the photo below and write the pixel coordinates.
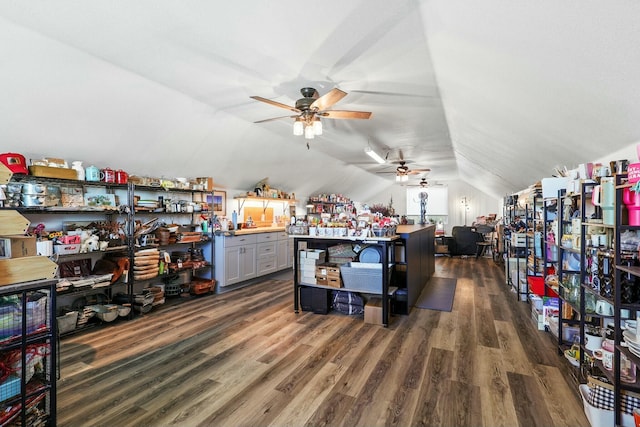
(266, 249)
(282, 235)
(248, 239)
(266, 265)
(267, 237)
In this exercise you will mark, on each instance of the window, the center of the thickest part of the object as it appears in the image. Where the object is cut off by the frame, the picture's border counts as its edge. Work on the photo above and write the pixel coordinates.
(437, 201)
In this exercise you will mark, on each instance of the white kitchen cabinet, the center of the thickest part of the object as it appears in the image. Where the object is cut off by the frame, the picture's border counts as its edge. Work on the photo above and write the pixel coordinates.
(244, 257)
(239, 264)
(283, 254)
(235, 259)
(284, 251)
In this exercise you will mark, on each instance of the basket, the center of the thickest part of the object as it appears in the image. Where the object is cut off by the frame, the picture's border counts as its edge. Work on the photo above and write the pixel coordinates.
(67, 323)
(200, 286)
(66, 249)
(362, 277)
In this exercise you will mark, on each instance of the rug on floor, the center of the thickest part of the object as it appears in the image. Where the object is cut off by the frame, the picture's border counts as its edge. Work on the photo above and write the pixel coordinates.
(437, 294)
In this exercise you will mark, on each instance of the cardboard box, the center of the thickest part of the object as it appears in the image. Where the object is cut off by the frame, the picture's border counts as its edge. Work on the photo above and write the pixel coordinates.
(373, 311)
(328, 270)
(550, 186)
(537, 317)
(334, 282)
(49, 172)
(17, 246)
(318, 254)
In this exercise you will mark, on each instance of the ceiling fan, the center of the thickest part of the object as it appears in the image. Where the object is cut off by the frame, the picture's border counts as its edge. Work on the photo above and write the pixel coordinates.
(402, 171)
(310, 108)
(422, 184)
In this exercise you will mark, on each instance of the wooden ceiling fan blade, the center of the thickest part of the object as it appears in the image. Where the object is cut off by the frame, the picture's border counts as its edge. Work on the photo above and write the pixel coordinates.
(328, 99)
(341, 114)
(421, 170)
(276, 104)
(276, 118)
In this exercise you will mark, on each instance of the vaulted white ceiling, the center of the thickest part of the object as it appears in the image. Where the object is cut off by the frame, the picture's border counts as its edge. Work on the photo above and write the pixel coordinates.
(492, 93)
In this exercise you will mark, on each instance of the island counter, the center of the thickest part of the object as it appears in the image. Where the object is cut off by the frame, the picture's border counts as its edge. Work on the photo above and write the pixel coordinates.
(408, 257)
(416, 258)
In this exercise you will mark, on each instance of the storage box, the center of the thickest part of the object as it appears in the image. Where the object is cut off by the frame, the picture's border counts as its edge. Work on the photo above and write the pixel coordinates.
(327, 270)
(373, 311)
(536, 302)
(550, 308)
(519, 240)
(10, 388)
(17, 246)
(314, 299)
(362, 277)
(537, 317)
(66, 249)
(334, 282)
(67, 322)
(49, 172)
(318, 254)
(551, 186)
(11, 317)
(601, 417)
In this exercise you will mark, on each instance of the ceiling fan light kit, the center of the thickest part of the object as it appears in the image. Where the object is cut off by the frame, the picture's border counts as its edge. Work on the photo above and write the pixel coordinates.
(310, 108)
(402, 177)
(375, 156)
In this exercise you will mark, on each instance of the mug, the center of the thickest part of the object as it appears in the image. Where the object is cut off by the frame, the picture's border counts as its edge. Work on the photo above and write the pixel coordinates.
(604, 308)
(606, 357)
(592, 342)
(92, 173)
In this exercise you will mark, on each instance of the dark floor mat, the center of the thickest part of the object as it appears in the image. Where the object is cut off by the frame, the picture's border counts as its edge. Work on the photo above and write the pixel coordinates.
(438, 294)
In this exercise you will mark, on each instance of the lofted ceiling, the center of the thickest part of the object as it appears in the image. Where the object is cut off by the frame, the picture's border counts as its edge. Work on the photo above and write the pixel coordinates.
(492, 93)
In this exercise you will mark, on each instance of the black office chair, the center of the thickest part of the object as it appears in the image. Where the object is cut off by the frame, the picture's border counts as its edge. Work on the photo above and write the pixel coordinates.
(486, 243)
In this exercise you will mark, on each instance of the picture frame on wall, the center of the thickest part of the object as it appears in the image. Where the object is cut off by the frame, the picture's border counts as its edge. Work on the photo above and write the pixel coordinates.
(218, 202)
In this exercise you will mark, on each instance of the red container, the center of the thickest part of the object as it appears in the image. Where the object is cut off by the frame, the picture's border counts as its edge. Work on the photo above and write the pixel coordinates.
(536, 286)
(15, 162)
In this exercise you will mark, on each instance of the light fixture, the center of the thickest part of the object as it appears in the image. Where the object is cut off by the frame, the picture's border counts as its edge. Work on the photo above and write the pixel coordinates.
(317, 126)
(465, 206)
(308, 125)
(308, 131)
(375, 156)
(400, 177)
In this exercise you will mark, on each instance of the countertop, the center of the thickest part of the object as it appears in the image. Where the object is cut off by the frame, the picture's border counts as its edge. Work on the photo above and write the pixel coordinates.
(257, 230)
(408, 229)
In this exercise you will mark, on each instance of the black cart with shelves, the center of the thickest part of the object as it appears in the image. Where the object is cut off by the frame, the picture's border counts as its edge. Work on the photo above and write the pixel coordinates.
(386, 245)
(28, 339)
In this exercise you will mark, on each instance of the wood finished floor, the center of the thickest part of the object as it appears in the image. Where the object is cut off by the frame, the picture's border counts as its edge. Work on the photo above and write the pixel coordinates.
(244, 358)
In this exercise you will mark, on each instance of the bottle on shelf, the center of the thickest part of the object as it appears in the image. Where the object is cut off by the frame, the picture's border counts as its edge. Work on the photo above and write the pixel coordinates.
(234, 220)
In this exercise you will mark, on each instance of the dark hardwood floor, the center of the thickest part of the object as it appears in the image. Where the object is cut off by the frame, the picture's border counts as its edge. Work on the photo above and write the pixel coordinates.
(244, 358)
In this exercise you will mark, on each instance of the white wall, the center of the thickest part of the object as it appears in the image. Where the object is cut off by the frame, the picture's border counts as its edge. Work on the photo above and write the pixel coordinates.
(479, 203)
